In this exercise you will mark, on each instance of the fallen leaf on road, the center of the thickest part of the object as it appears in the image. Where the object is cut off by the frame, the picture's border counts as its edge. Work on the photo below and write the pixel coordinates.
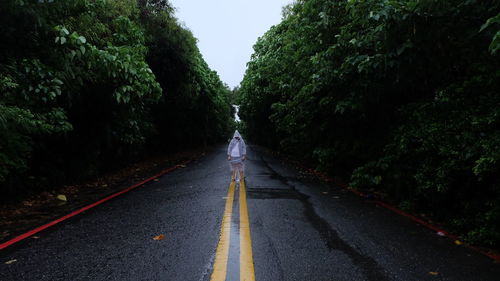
(62, 197)
(27, 203)
(458, 242)
(159, 237)
(11, 261)
(156, 180)
(336, 197)
(182, 166)
(434, 273)
(440, 233)
(104, 185)
(36, 237)
(324, 192)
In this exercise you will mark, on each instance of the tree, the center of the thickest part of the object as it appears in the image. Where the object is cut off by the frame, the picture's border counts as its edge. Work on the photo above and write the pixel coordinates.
(400, 96)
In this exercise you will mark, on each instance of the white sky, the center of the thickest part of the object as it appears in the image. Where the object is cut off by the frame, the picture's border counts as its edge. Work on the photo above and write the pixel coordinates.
(227, 30)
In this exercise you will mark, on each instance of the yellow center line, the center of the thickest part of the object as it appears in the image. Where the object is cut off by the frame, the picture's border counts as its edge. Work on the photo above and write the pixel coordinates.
(222, 253)
(247, 272)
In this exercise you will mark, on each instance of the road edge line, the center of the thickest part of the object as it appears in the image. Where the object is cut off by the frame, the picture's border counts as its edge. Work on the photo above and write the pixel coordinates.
(81, 210)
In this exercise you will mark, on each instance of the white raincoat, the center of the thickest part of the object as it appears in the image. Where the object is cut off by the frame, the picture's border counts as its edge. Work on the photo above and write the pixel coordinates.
(237, 151)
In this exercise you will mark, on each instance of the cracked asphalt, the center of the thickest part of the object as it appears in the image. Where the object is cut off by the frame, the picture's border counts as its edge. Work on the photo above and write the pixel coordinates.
(300, 229)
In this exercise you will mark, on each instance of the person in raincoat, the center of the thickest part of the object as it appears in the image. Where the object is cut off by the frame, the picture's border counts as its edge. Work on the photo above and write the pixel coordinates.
(236, 154)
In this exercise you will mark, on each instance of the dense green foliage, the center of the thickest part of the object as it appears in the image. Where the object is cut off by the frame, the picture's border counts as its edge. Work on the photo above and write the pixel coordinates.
(400, 96)
(86, 85)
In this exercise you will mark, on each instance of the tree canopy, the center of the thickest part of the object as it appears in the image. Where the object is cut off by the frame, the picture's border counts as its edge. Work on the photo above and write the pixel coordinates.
(87, 85)
(399, 96)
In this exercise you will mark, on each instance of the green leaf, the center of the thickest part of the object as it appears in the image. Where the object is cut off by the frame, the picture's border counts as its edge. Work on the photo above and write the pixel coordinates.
(495, 19)
(495, 43)
(82, 39)
(58, 82)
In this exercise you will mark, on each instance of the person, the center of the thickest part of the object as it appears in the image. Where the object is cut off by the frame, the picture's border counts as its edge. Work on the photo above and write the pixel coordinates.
(236, 155)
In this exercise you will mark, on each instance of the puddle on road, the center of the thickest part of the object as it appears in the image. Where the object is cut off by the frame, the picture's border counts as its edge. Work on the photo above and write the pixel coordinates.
(233, 262)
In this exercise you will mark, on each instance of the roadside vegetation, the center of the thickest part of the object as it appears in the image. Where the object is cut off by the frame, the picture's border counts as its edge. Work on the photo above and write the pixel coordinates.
(401, 97)
(89, 85)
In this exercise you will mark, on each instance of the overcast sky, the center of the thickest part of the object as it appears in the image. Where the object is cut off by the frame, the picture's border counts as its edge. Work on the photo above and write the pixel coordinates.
(227, 29)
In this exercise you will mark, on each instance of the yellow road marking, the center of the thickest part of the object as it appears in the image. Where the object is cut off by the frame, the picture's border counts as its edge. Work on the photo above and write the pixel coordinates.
(222, 253)
(247, 272)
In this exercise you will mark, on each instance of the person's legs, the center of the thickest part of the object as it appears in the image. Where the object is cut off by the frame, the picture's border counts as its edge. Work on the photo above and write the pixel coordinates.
(242, 175)
(233, 175)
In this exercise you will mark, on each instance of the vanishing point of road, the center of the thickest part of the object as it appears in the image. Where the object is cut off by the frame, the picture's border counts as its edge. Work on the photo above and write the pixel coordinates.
(276, 225)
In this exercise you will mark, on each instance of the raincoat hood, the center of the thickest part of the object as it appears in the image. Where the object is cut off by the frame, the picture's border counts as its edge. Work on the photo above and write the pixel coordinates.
(237, 134)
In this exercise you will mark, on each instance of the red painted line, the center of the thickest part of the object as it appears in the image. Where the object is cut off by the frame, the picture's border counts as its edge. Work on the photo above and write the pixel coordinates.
(414, 218)
(45, 226)
(494, 256)
(426, 224)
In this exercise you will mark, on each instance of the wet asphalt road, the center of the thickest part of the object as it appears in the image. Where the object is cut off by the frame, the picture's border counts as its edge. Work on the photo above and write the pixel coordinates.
(298, 233)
